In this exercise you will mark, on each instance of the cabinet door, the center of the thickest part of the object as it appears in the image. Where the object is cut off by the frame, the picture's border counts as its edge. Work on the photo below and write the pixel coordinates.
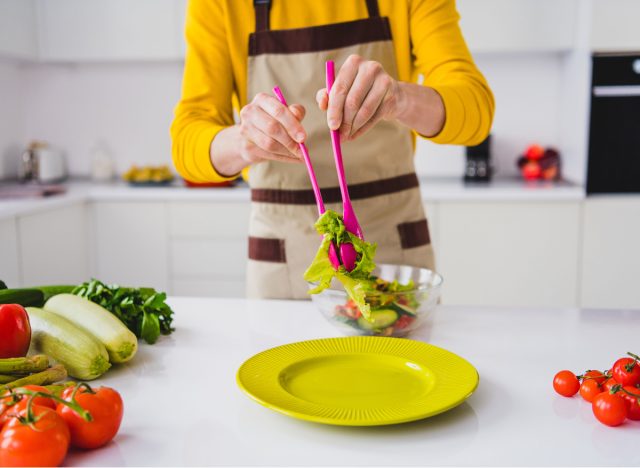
(615, 25)
(131, 244)
(53, 246)
(518, 25)
(18, 29)
(9, 266)
(514, 254)
(610, 252)
(208, 248)
(95, 30)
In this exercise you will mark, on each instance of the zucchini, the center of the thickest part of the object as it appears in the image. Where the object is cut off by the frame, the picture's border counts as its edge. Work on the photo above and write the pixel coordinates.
(25, 297)
(120, 342)
(80, 353)
(49, 291)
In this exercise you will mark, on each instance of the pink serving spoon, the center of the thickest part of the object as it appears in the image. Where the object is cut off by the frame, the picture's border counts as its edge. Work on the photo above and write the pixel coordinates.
(347, 251)
(333, 254)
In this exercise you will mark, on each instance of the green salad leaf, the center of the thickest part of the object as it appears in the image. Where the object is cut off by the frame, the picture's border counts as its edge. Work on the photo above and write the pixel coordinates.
(358, 282)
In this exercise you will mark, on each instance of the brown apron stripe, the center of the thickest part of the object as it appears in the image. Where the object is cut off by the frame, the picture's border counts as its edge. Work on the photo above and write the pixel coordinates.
(267, 250)
(414, 234)
(319, 38)
(372, 8)
(262, 8)
(332, 194)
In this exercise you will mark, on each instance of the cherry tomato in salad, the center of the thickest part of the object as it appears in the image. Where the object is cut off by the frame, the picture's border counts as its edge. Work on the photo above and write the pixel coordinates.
(589, 389)
(566, 383)
(15, 331)
(596, 375)
(403, 322)
(633, 401)
(610, 408)
(626, 371)
(40, 443)
(106, 409)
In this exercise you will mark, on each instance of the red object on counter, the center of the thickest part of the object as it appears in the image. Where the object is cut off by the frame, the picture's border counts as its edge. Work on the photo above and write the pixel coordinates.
(15, 331)
(538, 163)
(227, 183)
(534, 152)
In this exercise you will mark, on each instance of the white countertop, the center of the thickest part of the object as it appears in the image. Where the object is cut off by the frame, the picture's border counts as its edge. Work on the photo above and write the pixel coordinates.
(183, 408)
(433, 190)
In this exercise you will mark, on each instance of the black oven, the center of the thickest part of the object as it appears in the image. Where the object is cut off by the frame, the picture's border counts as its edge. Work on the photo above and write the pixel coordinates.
(614, 133)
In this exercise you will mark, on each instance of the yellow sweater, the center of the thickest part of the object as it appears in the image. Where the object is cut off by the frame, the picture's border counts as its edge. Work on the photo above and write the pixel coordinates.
(426, 39)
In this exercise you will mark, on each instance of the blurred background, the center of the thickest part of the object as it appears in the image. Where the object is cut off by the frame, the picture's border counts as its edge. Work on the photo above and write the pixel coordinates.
(544, 213)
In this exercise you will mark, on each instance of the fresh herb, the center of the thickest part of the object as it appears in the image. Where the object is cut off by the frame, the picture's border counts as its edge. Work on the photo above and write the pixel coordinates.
(143, 310)
(357, 282)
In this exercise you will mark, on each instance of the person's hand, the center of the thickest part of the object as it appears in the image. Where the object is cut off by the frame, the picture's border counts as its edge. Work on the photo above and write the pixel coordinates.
(362, 94)
(270, 130)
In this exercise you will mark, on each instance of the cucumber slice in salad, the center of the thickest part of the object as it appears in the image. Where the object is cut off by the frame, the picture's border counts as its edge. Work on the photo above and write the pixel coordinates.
(381, 318)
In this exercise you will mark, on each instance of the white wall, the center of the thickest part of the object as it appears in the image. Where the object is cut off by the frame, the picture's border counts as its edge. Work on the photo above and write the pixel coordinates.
(126, 107)
(12, 116)
(527, 93)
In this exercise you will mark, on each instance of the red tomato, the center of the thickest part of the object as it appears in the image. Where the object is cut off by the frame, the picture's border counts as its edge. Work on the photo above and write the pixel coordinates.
(43, 443)
(12, 404)
(534, 152)
(566, 383)
(633, 402)
(403, 322)
(15, 331)
(531, 170)
(626, 371)
(610, 408)
(589, 389)
(106, 409)
(608, 384)
(596, 375)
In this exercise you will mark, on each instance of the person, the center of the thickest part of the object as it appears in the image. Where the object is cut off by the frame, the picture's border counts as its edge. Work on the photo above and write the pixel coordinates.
(238, 50)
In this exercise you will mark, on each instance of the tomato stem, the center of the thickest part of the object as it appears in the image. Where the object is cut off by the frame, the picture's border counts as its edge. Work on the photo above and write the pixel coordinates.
(73, 404)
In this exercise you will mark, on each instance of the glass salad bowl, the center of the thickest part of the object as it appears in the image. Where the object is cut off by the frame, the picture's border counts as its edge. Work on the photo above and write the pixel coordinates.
(393, 312)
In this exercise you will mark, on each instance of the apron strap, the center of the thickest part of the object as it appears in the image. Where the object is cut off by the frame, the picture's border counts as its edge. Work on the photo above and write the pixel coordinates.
(262, 8)
(372, 8)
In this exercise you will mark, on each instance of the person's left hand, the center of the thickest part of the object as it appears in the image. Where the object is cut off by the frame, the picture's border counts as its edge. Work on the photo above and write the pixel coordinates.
(362, 94)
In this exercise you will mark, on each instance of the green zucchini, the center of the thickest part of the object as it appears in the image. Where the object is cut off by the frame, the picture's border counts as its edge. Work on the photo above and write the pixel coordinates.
(25, 297)
(81, 354)
(120, 342)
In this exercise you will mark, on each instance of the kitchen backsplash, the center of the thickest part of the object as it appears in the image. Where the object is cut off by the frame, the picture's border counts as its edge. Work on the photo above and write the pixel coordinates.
(126, 109)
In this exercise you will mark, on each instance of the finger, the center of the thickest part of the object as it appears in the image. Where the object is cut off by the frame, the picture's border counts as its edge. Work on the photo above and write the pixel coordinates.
(371, 105)
(257, 154)
(283, 115)
(377, 117)
(322, 98)
(268, 125)
(298, 110)
(340, 89)
(362, 85)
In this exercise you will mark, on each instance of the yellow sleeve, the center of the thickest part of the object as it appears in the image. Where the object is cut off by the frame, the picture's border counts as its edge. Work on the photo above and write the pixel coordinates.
(442, 57)
(205, 107)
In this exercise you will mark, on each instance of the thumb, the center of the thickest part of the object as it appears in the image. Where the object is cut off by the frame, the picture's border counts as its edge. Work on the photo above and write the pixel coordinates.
(322, 98)
(298, 110)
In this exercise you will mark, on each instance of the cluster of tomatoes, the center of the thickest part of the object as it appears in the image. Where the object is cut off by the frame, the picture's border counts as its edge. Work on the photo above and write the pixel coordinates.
(37, 427)
(614, 394)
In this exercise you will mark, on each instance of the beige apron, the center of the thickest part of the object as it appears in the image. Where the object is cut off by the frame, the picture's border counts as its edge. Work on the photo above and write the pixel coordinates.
(379, 165)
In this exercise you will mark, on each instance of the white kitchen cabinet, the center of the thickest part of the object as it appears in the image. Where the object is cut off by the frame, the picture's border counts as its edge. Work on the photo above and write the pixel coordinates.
(9, 261)
(615, 25)
(101, 30)
(208, 248)
(518, 25)
(509, 254)
(18, 36)
(131, 243)
(53, 246)
(611, 252)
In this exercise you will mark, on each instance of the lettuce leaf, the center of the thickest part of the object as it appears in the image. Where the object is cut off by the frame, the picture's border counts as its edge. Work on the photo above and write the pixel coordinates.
(358, 282)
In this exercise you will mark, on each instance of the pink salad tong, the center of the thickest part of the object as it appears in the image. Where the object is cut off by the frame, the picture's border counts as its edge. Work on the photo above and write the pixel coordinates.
(347, 251)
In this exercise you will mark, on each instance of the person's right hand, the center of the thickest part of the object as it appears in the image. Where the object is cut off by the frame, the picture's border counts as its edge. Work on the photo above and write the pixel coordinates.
(270, 130)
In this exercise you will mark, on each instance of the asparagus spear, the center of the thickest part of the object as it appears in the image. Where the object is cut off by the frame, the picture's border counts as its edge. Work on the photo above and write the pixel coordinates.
(24, 365)
(49, 376)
